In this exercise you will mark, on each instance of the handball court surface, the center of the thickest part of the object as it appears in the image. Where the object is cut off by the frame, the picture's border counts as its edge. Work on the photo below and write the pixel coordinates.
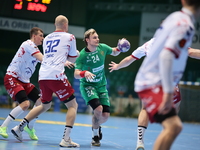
(118, 134)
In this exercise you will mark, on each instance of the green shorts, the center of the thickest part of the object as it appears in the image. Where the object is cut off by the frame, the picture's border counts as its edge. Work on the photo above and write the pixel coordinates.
(89, 92)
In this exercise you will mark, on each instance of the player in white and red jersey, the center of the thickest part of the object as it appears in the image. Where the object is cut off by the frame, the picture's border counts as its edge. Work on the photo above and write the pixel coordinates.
(58, 47)
(17, 80)
(143, 116)
(163, 68)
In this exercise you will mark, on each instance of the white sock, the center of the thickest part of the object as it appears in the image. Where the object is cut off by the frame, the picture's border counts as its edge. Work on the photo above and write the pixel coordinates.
(95, 132)
(16, 112)
(67, 132)
(140, 133)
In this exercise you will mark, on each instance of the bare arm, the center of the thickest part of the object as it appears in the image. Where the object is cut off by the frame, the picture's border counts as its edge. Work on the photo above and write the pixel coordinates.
(115, 52)
(124, 63)
(38, 56)
(71, 59)
(194, 53)
(78, 74)
(69, 65)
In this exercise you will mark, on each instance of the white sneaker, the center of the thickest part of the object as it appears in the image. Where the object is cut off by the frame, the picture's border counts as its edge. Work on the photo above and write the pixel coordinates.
(140, 146)
(17, 133)
(68, 143)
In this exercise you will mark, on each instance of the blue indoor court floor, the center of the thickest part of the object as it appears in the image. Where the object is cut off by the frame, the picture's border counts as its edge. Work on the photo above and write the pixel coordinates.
(118, 134)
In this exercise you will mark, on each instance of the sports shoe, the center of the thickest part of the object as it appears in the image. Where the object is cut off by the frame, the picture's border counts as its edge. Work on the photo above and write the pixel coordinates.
(17, 133)
(3, 132)
(31, 133)
(68, 143)
(140, 146)
(95, 141)
(100, 133)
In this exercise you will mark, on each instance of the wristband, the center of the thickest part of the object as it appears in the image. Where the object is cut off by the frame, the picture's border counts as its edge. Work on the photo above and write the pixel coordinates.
(118, 49)
(82, 73)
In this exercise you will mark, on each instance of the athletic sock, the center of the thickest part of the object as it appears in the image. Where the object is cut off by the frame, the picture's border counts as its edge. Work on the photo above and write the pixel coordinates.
(67, 132)
(16, 112)
(141, 131)
(22, 124)
(95, 132)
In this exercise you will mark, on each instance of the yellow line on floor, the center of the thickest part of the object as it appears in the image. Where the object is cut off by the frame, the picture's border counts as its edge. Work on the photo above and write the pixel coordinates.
(60, 123)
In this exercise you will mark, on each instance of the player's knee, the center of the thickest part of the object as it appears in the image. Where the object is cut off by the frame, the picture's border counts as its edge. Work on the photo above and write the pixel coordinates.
(105, 116)
(25, 105)
(98, 110)
(74, 104)
(178, 127)
(46, 106)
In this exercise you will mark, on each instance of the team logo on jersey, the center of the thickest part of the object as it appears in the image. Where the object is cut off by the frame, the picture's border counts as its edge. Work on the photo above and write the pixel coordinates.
(102, 52)
(182, 43)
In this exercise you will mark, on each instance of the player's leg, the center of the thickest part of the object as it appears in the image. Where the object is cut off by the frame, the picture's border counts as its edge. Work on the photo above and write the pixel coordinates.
(143, 120)
(96, 121)
(72, 106)
(34, 95)
(36, 111)
(24, 104)
(90, 95)
(68, 98)
(172, 126)
(101, 107)
(17, 130)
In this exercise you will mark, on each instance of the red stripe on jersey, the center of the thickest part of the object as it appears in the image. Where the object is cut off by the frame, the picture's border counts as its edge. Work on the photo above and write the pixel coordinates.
(135, 57)
(72, 56)
(176, 52)
(35, 53)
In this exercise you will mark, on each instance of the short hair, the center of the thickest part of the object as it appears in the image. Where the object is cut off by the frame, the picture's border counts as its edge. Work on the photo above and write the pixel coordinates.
(60, 20)
(34, 31)
(194, 3)
(88, 33)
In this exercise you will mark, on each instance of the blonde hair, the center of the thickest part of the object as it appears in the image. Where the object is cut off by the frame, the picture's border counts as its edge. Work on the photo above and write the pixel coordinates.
(60, 20)
(88, 33)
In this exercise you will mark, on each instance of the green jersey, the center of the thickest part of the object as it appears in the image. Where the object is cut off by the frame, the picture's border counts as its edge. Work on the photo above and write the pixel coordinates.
(94, 62)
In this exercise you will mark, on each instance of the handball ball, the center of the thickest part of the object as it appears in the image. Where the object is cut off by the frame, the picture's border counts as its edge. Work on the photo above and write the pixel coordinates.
(123, 45)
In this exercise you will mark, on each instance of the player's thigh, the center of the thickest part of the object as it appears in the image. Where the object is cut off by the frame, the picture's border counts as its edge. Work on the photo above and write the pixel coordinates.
(151, 101)
(12, 86)
(46, 92)
(89, 93)
(63, 90)
(103, 96)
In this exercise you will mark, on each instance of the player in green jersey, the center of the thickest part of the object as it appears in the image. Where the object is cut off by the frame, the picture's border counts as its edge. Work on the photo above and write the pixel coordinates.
(89, 68)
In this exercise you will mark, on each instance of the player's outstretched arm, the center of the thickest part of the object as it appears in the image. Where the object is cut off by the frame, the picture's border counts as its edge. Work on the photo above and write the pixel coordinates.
(115, 51)
(124, 63)
(194, 53)
(123, 45)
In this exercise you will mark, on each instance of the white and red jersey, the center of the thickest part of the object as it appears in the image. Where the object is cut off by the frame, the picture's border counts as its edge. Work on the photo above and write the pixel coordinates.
(175, 34)
(142, 50)
(23, 64)
(57, 46)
